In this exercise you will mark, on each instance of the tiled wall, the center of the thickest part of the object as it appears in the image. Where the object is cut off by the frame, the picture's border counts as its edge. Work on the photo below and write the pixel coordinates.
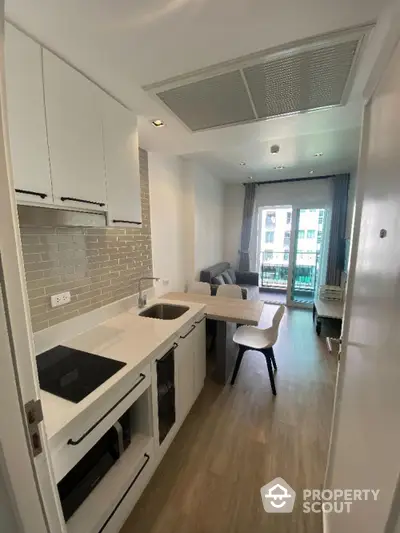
(97, 265)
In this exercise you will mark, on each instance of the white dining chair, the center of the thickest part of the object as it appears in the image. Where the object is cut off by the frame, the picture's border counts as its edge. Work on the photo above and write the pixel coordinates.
(262, 340)
(229, 291)
(200, 287)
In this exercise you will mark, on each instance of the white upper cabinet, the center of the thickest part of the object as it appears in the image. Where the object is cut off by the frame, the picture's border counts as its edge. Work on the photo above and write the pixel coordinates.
(74, 135)
(121, 152)
(26, 118)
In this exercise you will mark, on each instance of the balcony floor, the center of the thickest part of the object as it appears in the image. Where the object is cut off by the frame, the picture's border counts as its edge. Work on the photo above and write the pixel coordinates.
(269, 296)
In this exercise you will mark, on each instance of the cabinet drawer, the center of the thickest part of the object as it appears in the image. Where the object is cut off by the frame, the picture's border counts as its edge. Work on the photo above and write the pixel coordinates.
(65, 456)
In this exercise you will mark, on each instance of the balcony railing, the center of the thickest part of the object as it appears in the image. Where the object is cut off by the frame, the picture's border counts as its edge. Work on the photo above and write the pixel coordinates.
(274, 270)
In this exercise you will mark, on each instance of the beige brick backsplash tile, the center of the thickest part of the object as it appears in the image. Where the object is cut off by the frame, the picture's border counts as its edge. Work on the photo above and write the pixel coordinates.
(29, 239)
(53, 238)
(39, 265)
(35, 293)
(32, 258)
(37, 230)
(42, 282)
(38, 324)
(97, 266)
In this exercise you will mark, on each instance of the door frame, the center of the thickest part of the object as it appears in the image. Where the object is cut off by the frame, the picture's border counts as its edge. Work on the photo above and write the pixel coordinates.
(30, 481)
(391, 37)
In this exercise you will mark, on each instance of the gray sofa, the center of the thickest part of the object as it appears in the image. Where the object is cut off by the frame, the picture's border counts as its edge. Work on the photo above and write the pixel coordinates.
(223, 273)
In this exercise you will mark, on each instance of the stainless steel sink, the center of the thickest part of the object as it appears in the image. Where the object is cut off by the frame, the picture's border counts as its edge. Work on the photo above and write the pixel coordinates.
(164, 311)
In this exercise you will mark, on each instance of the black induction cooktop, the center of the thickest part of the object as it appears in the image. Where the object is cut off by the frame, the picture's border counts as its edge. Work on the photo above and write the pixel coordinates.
(73, 374)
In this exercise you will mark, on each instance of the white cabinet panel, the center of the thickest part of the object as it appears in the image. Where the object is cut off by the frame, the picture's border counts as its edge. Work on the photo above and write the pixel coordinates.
(185, 394)
(26, 117)
(199, 356)
(74, 136)
(121, 151)
(190, 359)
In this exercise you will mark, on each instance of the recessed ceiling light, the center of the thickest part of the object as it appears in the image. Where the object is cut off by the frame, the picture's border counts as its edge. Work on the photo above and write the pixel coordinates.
(250, 177)
(158, 123)
(311, 172)
(279, 167)
(243, 163)
(318, 154)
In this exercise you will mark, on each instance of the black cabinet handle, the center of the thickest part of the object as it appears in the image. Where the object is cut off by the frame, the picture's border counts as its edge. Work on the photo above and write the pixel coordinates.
(72, 442)
(147, 457)
(65, 198)
(33, 193)
(200, 321)
(125, 222)
(189, 332)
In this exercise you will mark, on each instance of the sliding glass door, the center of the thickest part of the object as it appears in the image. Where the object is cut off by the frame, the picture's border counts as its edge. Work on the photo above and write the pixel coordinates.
(308, 237)
(291, 254)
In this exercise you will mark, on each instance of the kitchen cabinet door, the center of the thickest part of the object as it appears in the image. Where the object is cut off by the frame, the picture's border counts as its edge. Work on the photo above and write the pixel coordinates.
(26, 118)
(74, 135)
(121, 151)
(184, 359)
(199, 357)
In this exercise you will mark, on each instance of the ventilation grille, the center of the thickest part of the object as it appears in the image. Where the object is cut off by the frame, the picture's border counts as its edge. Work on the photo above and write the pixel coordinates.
(304, 78)
(212, 102)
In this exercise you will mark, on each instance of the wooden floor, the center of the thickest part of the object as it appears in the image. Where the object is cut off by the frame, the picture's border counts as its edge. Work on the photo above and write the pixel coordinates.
(235, 440)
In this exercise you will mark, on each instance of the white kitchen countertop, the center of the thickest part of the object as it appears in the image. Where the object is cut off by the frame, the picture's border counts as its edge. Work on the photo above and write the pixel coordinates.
(127, 337)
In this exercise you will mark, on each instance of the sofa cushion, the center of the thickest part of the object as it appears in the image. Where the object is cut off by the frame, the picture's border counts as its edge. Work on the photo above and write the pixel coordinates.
(207, 274)
(218, 280)
(231, 274)
(227, 278)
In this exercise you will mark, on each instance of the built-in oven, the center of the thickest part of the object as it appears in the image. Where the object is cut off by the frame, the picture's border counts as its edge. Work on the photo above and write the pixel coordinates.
(166, 393)
(76, 486)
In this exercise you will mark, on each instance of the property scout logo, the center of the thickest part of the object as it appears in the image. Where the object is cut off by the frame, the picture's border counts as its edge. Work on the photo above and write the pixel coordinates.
(279, 497)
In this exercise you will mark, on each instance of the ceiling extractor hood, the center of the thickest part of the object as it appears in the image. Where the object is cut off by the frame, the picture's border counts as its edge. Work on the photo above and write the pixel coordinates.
(302, 76)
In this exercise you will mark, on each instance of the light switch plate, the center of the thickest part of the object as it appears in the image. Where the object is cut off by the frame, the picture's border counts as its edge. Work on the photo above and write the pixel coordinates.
(60, 299)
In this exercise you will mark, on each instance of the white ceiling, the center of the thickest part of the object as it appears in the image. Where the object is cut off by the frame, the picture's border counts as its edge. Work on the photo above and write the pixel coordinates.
(125, 44)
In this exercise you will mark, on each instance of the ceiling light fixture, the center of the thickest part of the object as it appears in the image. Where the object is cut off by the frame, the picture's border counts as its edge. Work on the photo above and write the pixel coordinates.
(318, 154)
(158, 123)
(311, 172)
(279, 167)
(250, 177)
(243, 163)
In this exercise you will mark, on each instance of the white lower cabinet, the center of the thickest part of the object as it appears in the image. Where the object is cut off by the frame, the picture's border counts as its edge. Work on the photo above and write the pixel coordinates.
(190, 360)
(114, 494)
(199, 356)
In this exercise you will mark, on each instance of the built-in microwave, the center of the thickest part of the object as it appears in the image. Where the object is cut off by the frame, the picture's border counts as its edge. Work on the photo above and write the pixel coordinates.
(76, 486)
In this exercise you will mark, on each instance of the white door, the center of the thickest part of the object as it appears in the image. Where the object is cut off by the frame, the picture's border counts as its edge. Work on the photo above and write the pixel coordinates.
(28, 480)
(75, 136)
(366, 435)
(26, 118)
(121, 151)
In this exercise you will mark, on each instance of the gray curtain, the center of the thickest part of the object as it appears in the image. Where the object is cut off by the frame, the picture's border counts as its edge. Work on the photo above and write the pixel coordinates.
(336, 253)
(248, 215)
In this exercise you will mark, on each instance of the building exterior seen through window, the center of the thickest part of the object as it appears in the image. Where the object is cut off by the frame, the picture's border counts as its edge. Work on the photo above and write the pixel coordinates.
(275, 244)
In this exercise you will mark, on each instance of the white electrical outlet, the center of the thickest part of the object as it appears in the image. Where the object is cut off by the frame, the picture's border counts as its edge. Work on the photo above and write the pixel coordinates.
(165, 282)
(60, 299)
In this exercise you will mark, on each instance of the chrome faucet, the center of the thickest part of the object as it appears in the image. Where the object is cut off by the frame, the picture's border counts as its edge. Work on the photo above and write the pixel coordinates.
(142, 299)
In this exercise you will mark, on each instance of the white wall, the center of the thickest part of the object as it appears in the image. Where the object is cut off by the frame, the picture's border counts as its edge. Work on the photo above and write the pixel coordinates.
(209, 198)
(186, 215)
(167, 220)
